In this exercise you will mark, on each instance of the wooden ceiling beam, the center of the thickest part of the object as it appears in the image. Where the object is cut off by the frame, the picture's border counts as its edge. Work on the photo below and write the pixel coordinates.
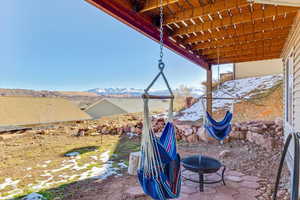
(154, 4)
(269, 12)
(279, 33)
(240, 47)
(257, 51)
(243, 29)
(218, 6)
(246, 59)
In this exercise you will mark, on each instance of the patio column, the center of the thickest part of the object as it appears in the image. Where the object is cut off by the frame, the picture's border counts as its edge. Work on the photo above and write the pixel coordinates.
(209, 89)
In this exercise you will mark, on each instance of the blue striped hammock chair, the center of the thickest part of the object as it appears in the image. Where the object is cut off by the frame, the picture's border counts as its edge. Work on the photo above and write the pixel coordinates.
(159, 168)
(218, 130)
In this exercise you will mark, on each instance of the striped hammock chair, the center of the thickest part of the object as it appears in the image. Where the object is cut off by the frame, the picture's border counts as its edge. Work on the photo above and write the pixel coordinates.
(218, 130)
(159, 167)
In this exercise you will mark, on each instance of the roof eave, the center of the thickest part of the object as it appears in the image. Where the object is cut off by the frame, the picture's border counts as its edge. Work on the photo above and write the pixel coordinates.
(145, 26)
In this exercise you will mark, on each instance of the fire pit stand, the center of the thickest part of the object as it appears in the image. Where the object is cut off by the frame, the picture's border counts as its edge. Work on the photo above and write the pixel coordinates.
(203, 165)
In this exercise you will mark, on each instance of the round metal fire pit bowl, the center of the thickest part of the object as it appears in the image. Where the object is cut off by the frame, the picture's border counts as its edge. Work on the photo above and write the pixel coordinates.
(203, 165)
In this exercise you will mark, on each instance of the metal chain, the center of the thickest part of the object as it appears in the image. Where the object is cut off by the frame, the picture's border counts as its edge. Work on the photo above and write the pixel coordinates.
(161, 64)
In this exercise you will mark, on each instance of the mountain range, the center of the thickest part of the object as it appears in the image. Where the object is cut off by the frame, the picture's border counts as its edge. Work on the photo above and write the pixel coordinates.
(139, 92)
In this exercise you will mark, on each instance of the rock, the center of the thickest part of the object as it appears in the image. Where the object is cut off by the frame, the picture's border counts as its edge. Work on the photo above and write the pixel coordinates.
(269, 123)
(139, 131)
(279, 121)
(256, 129)
(192, 138)
(244, 128)
(188, 132)
(81, 132)
(201, 132)
(238, 135)
(94, 134)
(279, 129)
(224, 154)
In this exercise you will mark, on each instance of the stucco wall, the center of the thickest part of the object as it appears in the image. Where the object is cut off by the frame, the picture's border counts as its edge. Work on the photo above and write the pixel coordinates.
(258, 68)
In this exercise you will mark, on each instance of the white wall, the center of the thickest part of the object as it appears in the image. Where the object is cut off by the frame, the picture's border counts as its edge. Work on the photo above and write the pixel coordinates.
(258, 68)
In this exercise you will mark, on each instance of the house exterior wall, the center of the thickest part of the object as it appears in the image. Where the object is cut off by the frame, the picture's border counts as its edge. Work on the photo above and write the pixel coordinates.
(104, 108)
(258, 68)
(291, 63)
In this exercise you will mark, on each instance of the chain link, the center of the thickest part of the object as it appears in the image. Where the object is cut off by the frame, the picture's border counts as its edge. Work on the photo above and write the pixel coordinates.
(161, 29)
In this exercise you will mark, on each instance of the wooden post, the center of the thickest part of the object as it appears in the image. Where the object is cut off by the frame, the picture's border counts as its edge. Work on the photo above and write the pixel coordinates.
(209, 89)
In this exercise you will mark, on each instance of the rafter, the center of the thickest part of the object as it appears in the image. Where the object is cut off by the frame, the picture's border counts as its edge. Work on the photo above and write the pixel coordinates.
(218, 6)
(279, 33)
(244, 29)
(269, 11)
(153, 4)
(240, 47)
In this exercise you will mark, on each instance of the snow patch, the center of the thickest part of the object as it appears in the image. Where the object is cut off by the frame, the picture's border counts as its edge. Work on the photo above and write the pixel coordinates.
(131, 135)
(9, 182)
(34, 196)
(72, 154)
(104, 156)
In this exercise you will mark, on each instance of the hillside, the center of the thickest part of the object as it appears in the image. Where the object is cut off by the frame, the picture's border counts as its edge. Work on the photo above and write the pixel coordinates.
(253, 91)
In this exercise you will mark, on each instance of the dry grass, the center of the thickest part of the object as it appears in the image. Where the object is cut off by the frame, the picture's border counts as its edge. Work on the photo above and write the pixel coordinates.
(26, 157)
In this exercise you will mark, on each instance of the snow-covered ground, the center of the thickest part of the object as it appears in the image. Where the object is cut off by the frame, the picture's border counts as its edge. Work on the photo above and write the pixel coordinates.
(243, 88)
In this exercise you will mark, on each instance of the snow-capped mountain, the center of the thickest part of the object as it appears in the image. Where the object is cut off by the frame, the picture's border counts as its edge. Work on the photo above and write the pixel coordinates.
(138, 92)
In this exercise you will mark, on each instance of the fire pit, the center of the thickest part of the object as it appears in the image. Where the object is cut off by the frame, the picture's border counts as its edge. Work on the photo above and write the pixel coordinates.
(203, 165)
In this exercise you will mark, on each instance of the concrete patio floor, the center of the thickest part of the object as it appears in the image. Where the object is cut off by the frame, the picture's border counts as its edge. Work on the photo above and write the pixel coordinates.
(238, 186)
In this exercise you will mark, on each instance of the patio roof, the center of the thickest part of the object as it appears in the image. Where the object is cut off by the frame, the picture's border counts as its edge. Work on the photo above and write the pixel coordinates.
(210, 31)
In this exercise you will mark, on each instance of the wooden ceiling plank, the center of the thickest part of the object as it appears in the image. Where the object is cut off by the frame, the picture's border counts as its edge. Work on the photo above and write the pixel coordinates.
(154, 4)
(242, 29)
(271, 48)
(240, 47)
(246, 59)
(279, 33)
(236, 19)
(218, 6)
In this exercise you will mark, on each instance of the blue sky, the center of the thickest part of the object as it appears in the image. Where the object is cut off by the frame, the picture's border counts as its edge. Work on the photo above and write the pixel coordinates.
(71, 45)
